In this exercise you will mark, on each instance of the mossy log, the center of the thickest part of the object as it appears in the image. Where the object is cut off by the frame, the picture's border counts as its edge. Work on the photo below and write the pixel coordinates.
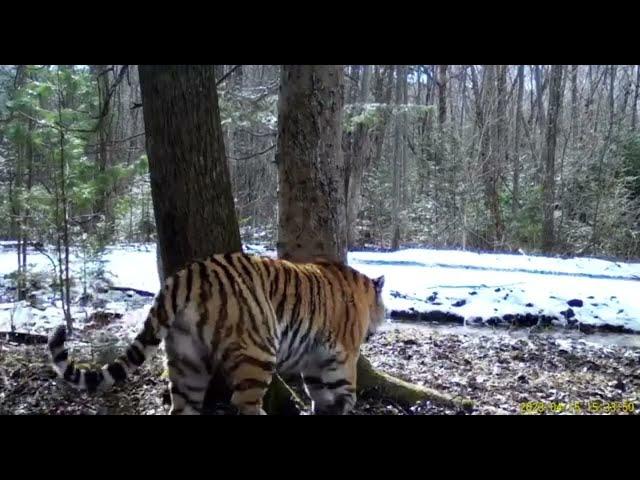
(372, 381)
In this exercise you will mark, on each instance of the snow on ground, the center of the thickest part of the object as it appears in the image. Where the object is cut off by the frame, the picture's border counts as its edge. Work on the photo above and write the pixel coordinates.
(467, 284)
(488, 285)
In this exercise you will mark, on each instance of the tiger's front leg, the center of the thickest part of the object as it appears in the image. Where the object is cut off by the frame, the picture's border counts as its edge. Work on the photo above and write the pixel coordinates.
(331, 384)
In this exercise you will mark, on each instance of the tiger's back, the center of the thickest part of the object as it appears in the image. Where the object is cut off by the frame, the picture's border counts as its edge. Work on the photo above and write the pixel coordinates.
(251, 316)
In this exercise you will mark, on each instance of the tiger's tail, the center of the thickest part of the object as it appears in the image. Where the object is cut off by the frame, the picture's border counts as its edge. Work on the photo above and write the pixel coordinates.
(156, 328)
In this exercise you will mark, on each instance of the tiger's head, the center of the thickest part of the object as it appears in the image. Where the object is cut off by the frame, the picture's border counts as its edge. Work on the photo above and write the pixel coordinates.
(377, 310)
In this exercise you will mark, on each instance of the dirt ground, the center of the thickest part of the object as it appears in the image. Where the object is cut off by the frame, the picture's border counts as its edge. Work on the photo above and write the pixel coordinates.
(501, 374)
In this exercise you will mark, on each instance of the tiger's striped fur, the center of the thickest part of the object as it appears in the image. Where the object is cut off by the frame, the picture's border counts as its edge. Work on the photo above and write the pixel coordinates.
(250, 316)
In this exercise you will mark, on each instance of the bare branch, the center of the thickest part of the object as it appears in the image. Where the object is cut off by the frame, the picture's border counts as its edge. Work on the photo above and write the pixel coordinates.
(226, 75)
(255, 154)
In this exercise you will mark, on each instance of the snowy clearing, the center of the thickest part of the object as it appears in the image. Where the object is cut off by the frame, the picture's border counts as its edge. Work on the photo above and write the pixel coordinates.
(465, 286)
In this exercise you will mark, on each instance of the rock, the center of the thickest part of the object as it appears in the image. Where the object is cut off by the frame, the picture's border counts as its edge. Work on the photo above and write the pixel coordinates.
(473, 293)
(529, 305)
(568, 313)
(459, 303)
(619, 385)
(575, 302)
(432, 297)
(498, 289)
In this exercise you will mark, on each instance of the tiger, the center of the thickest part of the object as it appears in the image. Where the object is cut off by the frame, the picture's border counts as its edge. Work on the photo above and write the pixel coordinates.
(249, 317)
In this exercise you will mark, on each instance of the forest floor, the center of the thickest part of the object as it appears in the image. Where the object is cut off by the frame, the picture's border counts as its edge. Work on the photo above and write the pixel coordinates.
(534, 373)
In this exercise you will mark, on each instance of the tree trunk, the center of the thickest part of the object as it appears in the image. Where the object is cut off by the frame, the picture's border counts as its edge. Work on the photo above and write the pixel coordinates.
(489, 156)
(442, 95)
(397, 165)
(548, 156)
(363, 93)
(303, 165)
(540, 120)
(574, 101)
(190, 187)
(356, 147)
(634, 112)
(102, 204)
(516, 154)
(383, 94)
(311, 203)
(499, 148)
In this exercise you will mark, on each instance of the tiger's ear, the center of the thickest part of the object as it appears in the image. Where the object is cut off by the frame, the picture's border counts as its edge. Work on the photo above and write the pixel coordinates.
(378, 283)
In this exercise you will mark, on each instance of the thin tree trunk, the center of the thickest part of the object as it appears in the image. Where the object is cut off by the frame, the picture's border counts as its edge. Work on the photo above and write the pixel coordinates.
(397, 166)
(516, 155)
(363, 93)
(103, 161)
(549, 154)
(574, 101)
(499, 146)
(383, 94)
(489, 157)
(356, 146)
(540, 119)
(634, 112)
(442, 83)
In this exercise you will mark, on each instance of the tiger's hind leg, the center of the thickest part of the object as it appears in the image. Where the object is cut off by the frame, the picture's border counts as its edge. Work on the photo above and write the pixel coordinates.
(189, 373)
(330, 381)
(250, 375)
(188, 386)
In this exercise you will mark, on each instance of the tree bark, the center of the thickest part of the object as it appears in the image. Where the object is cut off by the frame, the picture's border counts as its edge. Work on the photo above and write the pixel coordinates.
(574, 101)
(548, 156)
(190, 187)
(363, 93)
(311, 203)
(634, 112)
(357, 148)
(103, 202)
(515, 205)
(488, 155)
(397, 165)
